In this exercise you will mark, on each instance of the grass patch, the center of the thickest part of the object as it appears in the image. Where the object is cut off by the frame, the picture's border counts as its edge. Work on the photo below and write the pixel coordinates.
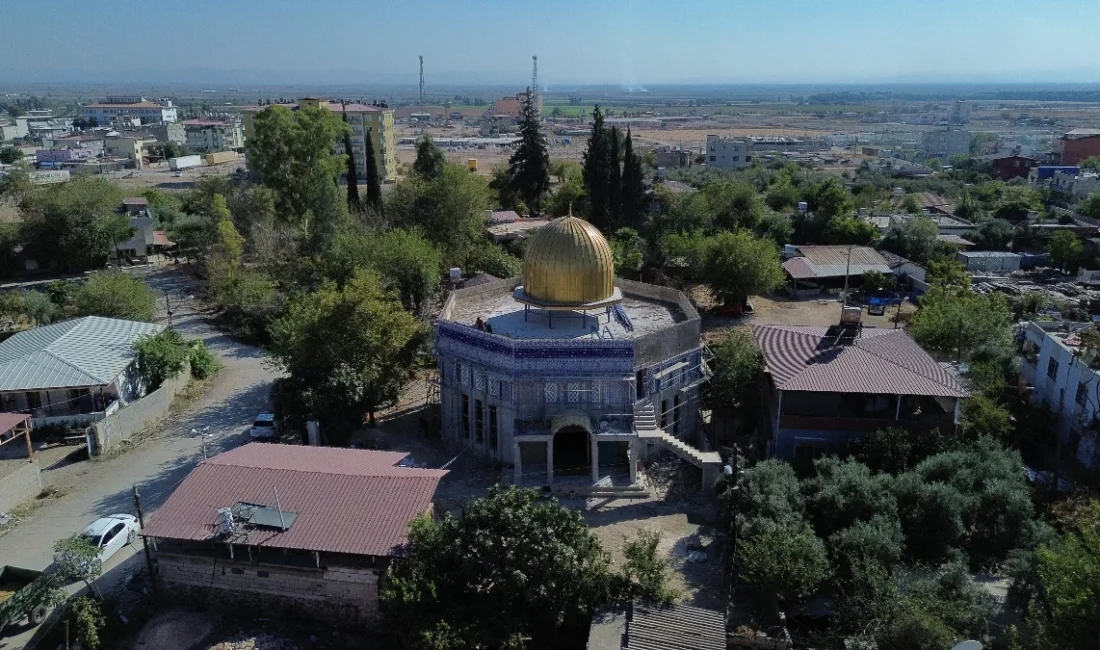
(189, 394)
(25, 510)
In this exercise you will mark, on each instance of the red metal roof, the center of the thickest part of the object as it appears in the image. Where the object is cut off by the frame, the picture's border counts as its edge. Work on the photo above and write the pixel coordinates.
(879, 361)
(160, 238)
(347, 500)
(9, 421)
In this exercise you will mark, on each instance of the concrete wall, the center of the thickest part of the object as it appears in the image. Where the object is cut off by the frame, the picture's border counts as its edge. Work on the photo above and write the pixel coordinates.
(21, 485)
(124, 423)
(335, 594)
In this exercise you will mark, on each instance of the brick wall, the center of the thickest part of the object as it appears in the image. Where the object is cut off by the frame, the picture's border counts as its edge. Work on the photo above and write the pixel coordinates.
(335, 594)
(126, 421)
(1076, 150)
(20, 485)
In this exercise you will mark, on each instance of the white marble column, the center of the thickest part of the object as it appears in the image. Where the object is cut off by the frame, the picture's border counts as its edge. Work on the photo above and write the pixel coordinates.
(517, 465)
(595, 459)
(550, 461)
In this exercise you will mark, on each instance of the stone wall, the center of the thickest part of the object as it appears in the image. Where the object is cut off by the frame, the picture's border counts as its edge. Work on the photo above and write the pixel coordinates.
(20, 485)
(125, 422)
(335, 594)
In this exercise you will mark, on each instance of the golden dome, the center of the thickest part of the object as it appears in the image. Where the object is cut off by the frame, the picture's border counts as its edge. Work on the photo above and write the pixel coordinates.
(568, 262)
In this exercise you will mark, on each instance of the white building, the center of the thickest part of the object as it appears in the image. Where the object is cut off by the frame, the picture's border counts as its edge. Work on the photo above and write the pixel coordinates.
(944, 143)
(149, 112)
(728, 153)
(959, 113)
(1075, 186)
(1065, 379)
(214, 135)
(17, 129)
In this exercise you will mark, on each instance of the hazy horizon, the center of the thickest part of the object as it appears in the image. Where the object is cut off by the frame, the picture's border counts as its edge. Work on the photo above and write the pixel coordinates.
(624, 43)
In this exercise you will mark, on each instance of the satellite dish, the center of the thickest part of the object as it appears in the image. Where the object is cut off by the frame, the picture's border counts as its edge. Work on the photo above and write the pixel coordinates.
(967, 645)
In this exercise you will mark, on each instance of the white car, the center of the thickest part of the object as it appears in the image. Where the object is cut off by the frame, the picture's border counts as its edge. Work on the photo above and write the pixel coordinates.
(263, 428)
(111, 533)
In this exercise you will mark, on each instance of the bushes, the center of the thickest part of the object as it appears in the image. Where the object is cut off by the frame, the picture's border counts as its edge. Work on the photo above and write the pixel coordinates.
(113, 294)
(164, 355)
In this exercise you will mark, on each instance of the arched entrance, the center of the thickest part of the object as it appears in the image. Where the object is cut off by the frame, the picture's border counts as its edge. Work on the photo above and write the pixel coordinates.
(572, 446)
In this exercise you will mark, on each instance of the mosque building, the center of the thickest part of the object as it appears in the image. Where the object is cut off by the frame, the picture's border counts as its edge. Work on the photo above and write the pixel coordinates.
(570, 374)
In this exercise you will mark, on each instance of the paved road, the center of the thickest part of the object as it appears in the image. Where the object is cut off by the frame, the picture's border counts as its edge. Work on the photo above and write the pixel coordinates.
(156, 467)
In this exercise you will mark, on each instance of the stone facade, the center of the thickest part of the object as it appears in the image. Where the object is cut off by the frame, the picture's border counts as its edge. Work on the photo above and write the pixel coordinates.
(335, 594)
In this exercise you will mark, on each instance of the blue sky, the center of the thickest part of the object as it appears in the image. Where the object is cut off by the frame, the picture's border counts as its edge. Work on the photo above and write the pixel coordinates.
(578, 41)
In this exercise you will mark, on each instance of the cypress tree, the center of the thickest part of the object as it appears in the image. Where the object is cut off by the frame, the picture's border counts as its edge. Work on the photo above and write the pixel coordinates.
(374, 183)
(615, 180)
(596, 171)
(529, 166)
(353, 175)
(633, 185)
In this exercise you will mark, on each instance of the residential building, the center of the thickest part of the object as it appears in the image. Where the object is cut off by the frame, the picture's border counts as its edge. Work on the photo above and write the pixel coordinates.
(1075, 186)
(14, 130)
(214, 135)
(827, 386)
(129, 147)
(62, 155)
(944, 143)
(728, 153)
(813, 269)
(783, 144)
(945, 224)
(1007, 166)
(1078, 144)
(989, 261)
(145, 110)
(904, 268)
(1066, 379)
(169, 132)
(94, 144)
(958, 113)
(569, 374)
(289, 530)
(674, 157)
(373, 120)
(77, 371)
(497, 124)
(1046, 172)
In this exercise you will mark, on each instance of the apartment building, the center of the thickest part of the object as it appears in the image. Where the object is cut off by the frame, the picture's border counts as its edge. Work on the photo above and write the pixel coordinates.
(149, 112)
(214, 135)
(728, 153)
(944, 143)
(365, 120)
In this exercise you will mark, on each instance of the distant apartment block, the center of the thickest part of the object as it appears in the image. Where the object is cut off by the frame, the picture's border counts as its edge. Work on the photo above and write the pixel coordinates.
(944, 143)
(959, 113)
(149, 112)
(169, 132)
(728, 153)
(214, 135)
(1078, 144)
(16, 129)
(365, 120)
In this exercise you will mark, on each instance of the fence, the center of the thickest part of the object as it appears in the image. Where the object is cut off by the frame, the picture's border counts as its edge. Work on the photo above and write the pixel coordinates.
(20, 485)
(120, 426)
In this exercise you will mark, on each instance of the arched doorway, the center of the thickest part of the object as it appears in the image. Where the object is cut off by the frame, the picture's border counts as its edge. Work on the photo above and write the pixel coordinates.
(572, 451)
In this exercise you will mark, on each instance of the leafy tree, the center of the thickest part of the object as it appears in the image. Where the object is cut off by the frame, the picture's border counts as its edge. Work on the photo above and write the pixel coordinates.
(739, 265)
(291, 152)
(1089, 206)
(776, 227)
(921, 237)
(496, 261)
(113, 294)
(733, 205)
(984, 416)
(77, 558)
(529, 165)
(948, 275)
(1065, 250)
(931, 515)
(563, 170)
(511, 567)
(75, 225)
(886, 450)
(374, 178)
(429, 158)
(161, 356)
(737, 365)
(15, 185)
(348, 350)
(1092, 163)
(35, 307)
(633, 185)
(967, 208)
(626, 248)
(850, 231)
(448, 210)
(844, 492)
(10, 155)
(782, 195)
(909, 204)
(994, 234)
(686, 251)
(961, 325)
(878, 539)
(597, 172)
(829, 199)
(352, 176)
(768, 490)
(88, 622)
(875, 281)
(502, 183)
(408, 264)
(782, 557)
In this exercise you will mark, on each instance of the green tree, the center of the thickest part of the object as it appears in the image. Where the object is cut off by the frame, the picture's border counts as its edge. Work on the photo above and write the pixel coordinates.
(737, 365)
(875, 281)
(1065, 250)
(967, 208)
(909, 204)
(569, 197)
(633, 185)
(994, 234)
(408, 264)
(113, 294)
(961, 325)
(844, 492)
(739, 265)
(921, 235)
(374, 179)
(782, 195)
(429, 160)
(348, 350)
(850, 231)
(496, 261)
(886, 450)
(448, 210)
(626, 248)
(829, 199)
(733, 205)
(984, 416)
(529, 165)
(768, 490)
(948, 274)
(597, 172)
(291, 151)
(77, 558)
(161, 356)
(88, 622)
(1092, 163)
(1089, 206)
(352, 176)
(10, 155)
(74, 225)
(782, 558)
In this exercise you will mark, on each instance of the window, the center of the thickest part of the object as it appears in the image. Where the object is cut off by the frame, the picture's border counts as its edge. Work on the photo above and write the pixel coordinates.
(479, 422)
(465, 375)
(466, 416)
(1082, 394)
(1052, 369)
(550, 390)
(479, 381)
(713, 158)
(492, 427)
(737, 159)
(494, 387)
(574, 392)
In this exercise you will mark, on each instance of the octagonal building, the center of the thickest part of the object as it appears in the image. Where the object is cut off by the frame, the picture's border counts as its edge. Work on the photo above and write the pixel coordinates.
(569, 374)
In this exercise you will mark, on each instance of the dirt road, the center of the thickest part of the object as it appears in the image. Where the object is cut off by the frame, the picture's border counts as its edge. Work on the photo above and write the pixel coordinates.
(156, 467)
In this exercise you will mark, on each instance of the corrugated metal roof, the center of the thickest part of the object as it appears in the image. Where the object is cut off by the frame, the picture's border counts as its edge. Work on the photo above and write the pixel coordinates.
(348, 500)
(89, 351)
(9, 421)
(878, 361)
(832, 261)
(675, 627)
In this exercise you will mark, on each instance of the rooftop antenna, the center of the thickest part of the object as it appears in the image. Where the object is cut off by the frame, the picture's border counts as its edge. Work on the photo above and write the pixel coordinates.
(421, 81)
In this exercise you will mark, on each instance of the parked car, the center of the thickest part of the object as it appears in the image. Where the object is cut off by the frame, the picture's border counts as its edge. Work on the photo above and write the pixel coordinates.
(111, 533)
(263, 428)
(178, 174)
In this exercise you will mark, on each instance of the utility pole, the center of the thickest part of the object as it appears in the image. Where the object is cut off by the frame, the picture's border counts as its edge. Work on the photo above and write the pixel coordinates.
(421, 81)
(168, 306)
(144, 540)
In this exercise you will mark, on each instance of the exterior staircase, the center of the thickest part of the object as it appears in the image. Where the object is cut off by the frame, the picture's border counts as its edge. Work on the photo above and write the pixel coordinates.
(645, 423)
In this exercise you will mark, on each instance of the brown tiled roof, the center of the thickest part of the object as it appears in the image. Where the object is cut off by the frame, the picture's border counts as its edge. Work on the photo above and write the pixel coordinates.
(799, 268)
(347, 500)
(884, 361)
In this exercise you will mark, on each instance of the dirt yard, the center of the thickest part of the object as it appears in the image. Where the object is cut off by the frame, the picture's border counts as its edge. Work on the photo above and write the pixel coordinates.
(782, 310)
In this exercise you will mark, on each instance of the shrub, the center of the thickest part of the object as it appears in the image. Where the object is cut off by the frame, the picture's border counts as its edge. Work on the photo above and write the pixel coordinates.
(783, 557)
(161, 356)
(114, 294)
(203, 362)
(88, 621)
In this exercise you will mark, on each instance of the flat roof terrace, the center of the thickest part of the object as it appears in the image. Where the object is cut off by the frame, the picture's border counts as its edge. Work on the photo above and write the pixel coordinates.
(647, 306)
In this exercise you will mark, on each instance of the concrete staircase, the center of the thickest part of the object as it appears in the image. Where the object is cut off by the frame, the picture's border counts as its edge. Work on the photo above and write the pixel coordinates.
(645, 423)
